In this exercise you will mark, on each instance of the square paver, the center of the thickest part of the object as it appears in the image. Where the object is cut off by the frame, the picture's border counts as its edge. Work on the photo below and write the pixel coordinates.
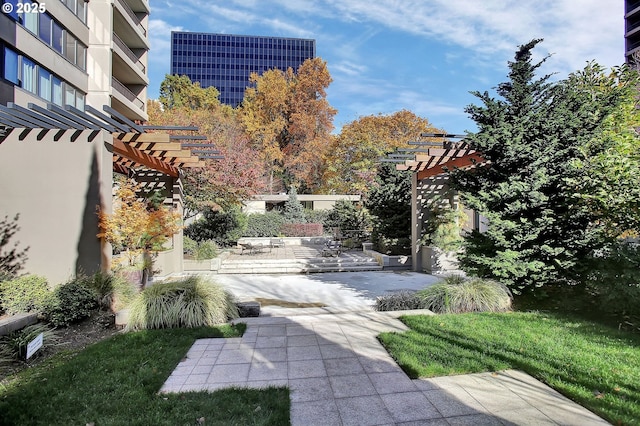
(201, 369)
(373, 365)
(351, 385)
(303, 340)
(336, 351)
(312, 413)
(268, 371)
(235, 356)
(410, 406)
(475, 420)
(299, 330)
(269, 355)
(343, 366)
(270, 342)
(364, 410)
(454, 401)
(311, 389)
(272, 330)
(392, 382)
(226, 373)
(299, 353)
(305, 369)
(197, 379)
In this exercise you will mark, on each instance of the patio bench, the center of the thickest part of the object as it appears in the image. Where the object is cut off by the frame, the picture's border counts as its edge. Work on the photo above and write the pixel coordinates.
(332, 248)
(276, 242)
(251, 248)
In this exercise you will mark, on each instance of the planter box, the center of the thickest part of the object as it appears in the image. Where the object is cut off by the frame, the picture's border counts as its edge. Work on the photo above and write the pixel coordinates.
(436, 261)
(388, 262)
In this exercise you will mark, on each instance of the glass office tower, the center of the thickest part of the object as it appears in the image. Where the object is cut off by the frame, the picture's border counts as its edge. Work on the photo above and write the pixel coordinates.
(225, 61)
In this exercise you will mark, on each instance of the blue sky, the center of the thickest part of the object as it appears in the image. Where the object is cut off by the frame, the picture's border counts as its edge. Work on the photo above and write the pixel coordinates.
(421, 55)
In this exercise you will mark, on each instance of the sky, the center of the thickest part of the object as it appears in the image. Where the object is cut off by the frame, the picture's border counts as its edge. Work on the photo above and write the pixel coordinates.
(425, 56)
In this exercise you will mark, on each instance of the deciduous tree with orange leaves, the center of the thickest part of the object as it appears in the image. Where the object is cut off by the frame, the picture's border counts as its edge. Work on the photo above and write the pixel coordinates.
(352, 161)
(135, 225)
(288, 117)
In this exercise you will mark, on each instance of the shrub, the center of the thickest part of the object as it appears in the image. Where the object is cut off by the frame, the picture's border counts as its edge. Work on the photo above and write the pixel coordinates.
(192, 302)
(189, 246)
(111, 291)
(70, 302)
(13, 346)
(457, 295)
(302, 229)
(346, 215)
(317, 216)
(615, 279)
(28, 293)
(400, 300)
(206, 250)
(225, 228)
(264, 225)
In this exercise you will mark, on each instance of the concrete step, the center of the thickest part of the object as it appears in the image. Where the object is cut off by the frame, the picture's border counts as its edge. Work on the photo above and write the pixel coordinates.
(296, 266)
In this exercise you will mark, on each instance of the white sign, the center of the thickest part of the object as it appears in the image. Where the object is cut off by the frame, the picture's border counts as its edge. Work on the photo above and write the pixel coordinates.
(34, 345)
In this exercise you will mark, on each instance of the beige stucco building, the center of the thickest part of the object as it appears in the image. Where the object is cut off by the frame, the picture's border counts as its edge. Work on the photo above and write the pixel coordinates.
(73, 88)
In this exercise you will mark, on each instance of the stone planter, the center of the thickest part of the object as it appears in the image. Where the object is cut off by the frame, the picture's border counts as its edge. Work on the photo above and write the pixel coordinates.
(436, 261)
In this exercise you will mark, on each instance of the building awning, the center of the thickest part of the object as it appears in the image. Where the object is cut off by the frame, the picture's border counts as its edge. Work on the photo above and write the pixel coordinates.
(135, 146)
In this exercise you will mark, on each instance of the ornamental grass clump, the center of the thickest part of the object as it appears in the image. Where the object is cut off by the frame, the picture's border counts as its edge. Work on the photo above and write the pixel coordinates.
(456, 294)
(191, 302)
(400, 301)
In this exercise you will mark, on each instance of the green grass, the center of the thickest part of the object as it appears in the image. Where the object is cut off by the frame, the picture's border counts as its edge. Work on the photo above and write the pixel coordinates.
(116, 382)
(595, 365)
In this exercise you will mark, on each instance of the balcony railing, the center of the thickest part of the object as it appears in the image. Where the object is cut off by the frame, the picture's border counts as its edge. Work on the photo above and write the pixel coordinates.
(132, 15)
(121, 44)
(124, 91)
(632, 5)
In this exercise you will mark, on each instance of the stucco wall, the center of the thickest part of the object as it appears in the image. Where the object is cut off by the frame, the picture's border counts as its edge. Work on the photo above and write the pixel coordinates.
(56, 187)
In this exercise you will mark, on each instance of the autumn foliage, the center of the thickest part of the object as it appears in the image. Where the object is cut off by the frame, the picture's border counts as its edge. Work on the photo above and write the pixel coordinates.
(135, 226)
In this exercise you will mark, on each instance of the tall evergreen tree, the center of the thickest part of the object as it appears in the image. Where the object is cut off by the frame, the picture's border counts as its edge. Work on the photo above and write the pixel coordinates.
(538, 233)
(293, 210)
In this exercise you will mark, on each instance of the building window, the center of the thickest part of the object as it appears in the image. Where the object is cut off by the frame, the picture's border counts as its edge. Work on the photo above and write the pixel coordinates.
(44, 84)
(70, 95)
(10, 65)
(31, 22)
(57, 90)
(45, 28)
(29, 75)
(57, 41)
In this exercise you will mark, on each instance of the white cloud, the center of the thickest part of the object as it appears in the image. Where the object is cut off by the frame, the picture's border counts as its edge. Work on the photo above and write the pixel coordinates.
(160, 40)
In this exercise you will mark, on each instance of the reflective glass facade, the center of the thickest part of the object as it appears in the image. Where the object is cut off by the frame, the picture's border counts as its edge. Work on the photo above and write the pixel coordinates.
(225, 61)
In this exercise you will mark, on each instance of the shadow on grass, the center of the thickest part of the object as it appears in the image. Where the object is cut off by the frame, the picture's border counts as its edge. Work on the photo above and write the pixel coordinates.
(117, 380)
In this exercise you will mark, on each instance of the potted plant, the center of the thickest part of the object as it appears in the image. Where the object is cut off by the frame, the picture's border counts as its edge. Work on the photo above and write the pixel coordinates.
(443, 239)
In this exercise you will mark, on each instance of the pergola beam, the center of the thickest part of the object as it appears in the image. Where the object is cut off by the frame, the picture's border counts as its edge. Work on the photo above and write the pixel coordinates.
(143, 158)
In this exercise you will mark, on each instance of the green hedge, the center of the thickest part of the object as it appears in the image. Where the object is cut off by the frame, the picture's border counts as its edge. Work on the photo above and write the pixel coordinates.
(264, 224)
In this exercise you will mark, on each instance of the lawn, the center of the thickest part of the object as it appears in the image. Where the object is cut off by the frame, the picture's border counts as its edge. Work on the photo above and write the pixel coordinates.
(116, 382)
(593, 364)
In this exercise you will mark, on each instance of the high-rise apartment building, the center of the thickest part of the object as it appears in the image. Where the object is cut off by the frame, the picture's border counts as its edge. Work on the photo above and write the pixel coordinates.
(75, 52)
(632, 31)
(226, 61)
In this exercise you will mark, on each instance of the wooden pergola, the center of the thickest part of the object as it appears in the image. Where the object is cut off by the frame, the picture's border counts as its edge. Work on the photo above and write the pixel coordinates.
(135, 146)
(435, 158)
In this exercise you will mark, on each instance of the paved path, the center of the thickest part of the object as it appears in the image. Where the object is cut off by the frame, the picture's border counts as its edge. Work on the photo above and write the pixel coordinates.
(339, 374)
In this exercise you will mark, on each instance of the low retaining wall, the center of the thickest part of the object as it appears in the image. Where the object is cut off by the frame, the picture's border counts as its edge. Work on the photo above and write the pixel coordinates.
(205, 265)
(387, 262)
(16, 322)
(288, 241)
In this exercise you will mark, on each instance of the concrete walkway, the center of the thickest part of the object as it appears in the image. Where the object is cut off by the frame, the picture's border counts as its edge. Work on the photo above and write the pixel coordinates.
(339, 374)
